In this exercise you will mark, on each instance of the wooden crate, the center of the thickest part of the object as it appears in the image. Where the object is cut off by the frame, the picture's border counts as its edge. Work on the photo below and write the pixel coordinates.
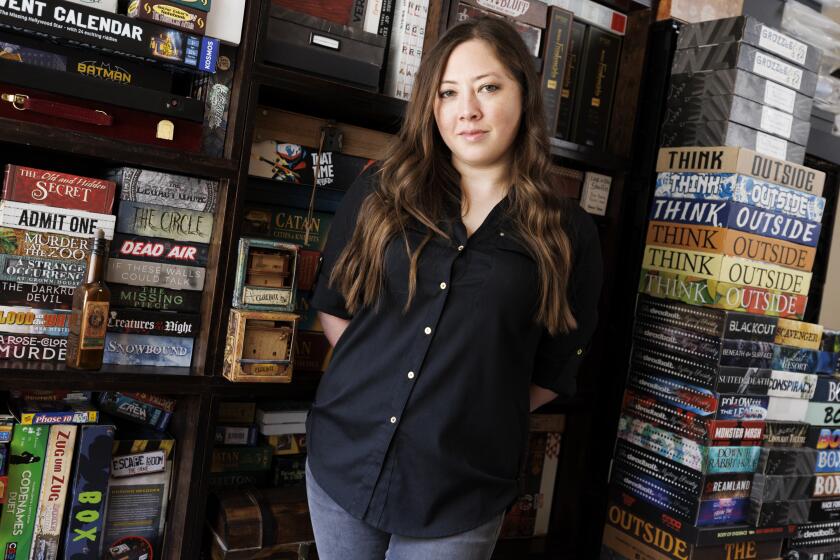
(266, 274)
(259, 346)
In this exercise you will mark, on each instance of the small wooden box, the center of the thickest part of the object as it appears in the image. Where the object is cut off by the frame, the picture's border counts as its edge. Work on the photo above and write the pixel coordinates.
(259, 346)
(266, 274)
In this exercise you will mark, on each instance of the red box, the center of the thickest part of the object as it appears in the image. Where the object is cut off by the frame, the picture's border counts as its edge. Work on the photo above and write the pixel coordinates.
(51, 188)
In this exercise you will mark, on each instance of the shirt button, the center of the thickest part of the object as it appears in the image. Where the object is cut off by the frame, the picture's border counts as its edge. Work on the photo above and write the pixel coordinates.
(428, 330)
(393, 419)
(579, 351)
(460, 247)
(502, 233)
(443, 285)
(411, 375)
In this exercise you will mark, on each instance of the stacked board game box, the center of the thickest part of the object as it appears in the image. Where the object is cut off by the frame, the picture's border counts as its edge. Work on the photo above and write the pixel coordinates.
(717, 455)
(47, 223)
(157, 266)
(738, 82)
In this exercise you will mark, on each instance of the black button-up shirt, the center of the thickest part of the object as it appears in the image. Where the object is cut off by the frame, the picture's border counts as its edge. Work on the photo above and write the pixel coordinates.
(420, 423)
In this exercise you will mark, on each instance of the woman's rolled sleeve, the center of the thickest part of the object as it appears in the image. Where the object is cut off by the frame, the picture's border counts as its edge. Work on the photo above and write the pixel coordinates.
(558, 357)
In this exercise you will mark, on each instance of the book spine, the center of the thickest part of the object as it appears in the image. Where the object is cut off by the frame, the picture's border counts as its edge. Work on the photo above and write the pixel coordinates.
(46, 219)
(144, 273)
(406, 48)
(90, 488)
(26, 468)
(178, 224)
(51, 188)
(56, 481)
(568, 92)
(555, 55)
(386, 18)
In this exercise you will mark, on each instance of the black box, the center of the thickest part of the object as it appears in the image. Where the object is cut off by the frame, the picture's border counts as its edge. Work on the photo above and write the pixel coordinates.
(738, 110)
(318, 46)
(743, 84)
(728, 133)
(571, 73)
(778, 488)
(555, 55)
(593, 105)
(749, 30)
(772, 513)
(745, 57)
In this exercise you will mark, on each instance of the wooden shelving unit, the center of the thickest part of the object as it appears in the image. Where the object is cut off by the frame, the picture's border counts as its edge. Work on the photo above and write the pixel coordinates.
(200, 389)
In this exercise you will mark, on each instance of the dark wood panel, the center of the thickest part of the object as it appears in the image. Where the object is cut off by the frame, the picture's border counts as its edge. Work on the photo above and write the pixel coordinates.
(110, 151)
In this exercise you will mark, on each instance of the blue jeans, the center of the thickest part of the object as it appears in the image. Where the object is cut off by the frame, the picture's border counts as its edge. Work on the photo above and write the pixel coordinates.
(340, 536)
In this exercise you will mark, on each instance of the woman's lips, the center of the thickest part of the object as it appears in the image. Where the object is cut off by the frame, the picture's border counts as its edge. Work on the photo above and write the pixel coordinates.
(473, 135)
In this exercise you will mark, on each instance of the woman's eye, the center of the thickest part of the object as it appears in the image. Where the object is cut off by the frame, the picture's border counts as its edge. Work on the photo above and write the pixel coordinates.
(490, 88)
(446, 93)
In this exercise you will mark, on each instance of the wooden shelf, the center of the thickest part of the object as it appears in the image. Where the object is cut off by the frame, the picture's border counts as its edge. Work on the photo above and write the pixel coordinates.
(42, 375)
(325, 98)
(281, 193)
(590, 157)
(116, 152)
(303, 386)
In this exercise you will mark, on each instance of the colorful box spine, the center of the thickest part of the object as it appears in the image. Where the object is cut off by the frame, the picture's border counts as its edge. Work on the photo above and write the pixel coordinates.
(159, 250)
(178, 224)
(738, 216)
(740, 188)
(32, 413)
(22, 243)
(164, 13)
(142, 350)
(42, 348)
(123, 406)
(47, 219)
(55, 484)
(721, 295)
(154, 298)
(166, 189)
(38, 296)
(799, 334)
(26, 468)
(51, 188)
(25, 320)
(226, 459)
(33, 270)
(728, 159)
(154, 323)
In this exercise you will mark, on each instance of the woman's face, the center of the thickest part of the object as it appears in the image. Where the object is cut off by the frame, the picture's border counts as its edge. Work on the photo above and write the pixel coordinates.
(478, 106)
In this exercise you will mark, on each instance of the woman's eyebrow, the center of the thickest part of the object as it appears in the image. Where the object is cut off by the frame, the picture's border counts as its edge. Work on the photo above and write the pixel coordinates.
(479, 77)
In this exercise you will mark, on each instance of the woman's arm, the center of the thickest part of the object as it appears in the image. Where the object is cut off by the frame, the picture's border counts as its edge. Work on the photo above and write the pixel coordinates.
(333, 326)
(540, 396)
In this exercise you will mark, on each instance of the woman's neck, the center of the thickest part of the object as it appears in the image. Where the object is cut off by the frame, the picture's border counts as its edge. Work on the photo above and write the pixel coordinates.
(484, 184)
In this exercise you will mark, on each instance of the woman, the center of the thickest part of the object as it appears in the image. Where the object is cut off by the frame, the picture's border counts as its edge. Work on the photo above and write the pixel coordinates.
(460, 292)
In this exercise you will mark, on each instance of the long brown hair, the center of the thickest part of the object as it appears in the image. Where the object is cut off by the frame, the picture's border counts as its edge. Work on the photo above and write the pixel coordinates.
(417, 181)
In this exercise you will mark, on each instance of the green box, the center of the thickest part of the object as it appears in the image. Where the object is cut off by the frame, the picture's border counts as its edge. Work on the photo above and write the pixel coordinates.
(26, 467)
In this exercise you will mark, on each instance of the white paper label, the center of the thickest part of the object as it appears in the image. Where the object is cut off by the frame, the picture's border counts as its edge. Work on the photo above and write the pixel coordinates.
(139, 463)
(327, 42)
(775, 121)
(775, 69)
(782, 45)
(779, 96)
(770, 145)
(596, 193)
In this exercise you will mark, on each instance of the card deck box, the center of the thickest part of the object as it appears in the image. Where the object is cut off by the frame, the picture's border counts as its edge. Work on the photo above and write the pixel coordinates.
(99, 119)
(314, 45)
(729, 133)
(744, 57)
(259, 346)
(749, 30)
(266, 275)
(740, 83)
(739, 110)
